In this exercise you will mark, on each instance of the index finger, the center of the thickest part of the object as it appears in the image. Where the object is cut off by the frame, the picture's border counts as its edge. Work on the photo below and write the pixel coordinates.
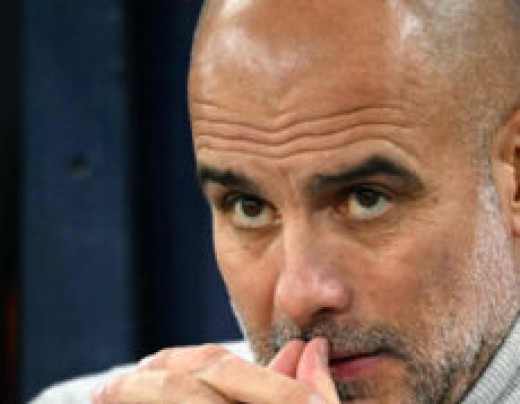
(242, 381)
(286, 361)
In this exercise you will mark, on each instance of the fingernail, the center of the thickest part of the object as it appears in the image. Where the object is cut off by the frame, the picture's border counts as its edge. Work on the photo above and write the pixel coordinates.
(323, 352)
(314, 399)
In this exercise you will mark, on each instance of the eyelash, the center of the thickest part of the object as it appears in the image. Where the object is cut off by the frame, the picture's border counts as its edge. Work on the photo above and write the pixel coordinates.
(348, 191)
(227, 202)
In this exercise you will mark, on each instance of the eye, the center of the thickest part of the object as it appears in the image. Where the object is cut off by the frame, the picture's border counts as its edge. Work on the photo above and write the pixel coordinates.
(365, 203)
(249, 212)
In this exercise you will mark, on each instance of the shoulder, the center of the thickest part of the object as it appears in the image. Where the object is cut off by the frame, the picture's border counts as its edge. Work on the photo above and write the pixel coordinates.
(79, 390)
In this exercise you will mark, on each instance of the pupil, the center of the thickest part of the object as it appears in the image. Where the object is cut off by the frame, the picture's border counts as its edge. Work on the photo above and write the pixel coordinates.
(251, 207)
(367, 198)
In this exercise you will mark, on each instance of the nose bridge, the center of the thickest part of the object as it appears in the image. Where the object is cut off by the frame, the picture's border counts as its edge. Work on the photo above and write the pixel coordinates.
(310, 281)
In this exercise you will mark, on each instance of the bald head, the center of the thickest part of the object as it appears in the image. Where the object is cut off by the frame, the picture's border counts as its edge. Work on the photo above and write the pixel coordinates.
(281, 55)
(468, 49)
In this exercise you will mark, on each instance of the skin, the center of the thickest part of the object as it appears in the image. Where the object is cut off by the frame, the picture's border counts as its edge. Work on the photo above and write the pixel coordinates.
(367, 234)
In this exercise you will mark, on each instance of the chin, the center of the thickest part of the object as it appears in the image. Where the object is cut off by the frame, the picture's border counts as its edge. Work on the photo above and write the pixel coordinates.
(379, 379)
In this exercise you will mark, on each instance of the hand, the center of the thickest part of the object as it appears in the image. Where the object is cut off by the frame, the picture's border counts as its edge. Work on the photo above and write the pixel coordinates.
(211, 374)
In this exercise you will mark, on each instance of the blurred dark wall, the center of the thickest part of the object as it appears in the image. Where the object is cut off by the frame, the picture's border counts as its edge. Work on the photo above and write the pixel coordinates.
(9, 189)
(77, 264)
(116, 259)
(174, 227)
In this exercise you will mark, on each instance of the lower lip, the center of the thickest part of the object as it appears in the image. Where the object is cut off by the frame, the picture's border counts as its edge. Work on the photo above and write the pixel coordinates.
(356, 368)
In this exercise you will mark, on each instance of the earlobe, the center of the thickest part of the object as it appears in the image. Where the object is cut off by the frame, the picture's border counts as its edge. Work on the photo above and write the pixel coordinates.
(507, 170)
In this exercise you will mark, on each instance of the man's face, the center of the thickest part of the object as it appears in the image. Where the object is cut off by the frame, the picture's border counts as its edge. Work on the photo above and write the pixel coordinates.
(345, 202)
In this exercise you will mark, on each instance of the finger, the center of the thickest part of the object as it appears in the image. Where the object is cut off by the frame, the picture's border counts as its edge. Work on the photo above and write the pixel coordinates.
(142, 386)
(147, 387)
(242, 381)
(185, 360)
(313, 369)
(286, 360)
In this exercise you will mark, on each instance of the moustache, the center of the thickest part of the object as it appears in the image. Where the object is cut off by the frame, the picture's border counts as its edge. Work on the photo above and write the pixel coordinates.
(346, 339)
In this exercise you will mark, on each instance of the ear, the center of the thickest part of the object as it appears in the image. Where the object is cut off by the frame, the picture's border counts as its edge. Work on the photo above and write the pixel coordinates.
(506, 167)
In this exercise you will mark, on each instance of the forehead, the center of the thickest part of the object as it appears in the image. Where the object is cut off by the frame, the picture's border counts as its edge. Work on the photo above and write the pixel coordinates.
(274, 62)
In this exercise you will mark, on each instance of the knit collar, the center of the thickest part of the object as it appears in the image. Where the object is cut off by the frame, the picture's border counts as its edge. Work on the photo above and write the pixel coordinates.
(501, 375)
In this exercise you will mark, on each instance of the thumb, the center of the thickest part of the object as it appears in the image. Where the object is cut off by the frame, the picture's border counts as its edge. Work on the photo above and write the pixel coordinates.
(313, 369)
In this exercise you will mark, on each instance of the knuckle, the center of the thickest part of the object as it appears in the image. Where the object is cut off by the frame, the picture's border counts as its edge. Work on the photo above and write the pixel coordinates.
(227, 359)
(158, 359)
(212, 351)
(184, 360)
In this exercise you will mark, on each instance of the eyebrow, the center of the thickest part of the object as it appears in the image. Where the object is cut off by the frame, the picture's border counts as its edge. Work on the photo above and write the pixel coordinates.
(372, 166)
(225, 178)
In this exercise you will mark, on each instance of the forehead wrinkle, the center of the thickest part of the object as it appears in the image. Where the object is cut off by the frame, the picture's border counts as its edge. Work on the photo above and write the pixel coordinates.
(317, 133)
(309, 144)
(284, 129)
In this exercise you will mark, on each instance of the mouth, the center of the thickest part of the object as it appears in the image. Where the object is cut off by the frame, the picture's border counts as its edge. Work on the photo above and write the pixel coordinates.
(355, 366)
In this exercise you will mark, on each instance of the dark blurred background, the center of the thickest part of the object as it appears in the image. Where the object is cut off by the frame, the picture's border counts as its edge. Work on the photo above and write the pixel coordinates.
(105, 251)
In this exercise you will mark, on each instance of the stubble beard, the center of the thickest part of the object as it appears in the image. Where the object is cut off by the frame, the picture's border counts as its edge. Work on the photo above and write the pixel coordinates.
(441, 369)
(420, 385)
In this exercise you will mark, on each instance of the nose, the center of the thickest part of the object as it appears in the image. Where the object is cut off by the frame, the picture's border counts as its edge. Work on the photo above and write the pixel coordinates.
(311, 279)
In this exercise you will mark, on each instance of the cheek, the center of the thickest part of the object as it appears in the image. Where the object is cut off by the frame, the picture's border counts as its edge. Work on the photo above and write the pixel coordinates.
(250, 280)
(415, 283)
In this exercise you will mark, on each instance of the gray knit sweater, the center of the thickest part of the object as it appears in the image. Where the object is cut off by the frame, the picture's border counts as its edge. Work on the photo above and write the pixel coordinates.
(499, 384)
